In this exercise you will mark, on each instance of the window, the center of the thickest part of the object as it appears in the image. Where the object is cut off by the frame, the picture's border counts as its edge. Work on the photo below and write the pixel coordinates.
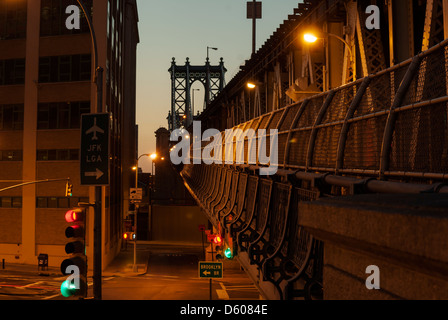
(10, 202)
(12, 19)
(6, 202)
(17, 202)
(52, 202)
(53, 17)
(15, 155)
(59, 202)
(58, 155)
(12, 72)
(65, 68)
(63, 203)
(11, 117)
(61, 115)
(41, 202)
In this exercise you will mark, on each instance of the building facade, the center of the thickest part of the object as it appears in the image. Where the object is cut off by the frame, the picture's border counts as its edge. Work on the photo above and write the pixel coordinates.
(46, 84)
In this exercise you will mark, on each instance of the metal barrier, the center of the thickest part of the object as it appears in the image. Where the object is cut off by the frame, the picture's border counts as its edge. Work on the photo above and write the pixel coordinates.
(271, 235)
(391, 124)
(385, 133)
(255, 224)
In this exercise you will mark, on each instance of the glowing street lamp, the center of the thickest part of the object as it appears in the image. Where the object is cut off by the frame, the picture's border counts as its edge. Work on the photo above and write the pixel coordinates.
(251, 85)
(309, 37)
(312, 38)
(152, 156)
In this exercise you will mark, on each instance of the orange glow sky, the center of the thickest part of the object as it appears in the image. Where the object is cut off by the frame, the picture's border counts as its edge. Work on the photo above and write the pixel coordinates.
(184, 28)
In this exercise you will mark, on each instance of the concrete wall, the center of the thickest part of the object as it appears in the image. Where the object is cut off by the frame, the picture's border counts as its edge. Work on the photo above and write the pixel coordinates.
(403, 235)
(177, 224)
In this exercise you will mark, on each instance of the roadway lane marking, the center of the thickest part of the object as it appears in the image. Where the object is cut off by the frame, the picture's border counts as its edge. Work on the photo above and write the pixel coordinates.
(161, 276)
(51, 297)
(32, 284)
(222, 294)
(236, 288)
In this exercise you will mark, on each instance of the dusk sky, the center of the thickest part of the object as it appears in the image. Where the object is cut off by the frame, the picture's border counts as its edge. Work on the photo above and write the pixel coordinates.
(184, 28)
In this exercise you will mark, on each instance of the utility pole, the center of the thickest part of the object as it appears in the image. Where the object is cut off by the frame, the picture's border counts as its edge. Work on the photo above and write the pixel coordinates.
(254, 26)
(97, 229)
(254, 9)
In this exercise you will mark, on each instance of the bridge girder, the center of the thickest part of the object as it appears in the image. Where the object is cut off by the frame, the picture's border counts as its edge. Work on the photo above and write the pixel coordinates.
(287, 70)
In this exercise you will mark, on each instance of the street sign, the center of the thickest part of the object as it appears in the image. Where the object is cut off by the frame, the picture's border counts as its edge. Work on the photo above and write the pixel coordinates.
(94, 160)
(210, 270)
(250, 10)
(136, 194)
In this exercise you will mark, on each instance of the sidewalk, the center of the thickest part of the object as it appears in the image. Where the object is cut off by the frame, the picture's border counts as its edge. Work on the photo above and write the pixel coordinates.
(30, 269)
(122, 265)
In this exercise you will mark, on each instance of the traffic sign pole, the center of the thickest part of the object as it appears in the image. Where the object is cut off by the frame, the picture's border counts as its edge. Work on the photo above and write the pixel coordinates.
(216, 272)
(98, 245)
(94, 160)
(97, 268)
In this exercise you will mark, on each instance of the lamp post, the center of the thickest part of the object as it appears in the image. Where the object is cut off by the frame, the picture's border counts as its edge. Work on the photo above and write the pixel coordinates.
(192, 107)
(311, 38)
(208, 48)
(152, 183)
(152, 156)
(97, 251)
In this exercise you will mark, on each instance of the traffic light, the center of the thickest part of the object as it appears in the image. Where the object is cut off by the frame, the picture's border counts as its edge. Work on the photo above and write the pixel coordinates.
(129, 236)
(228, 253)
(68, 189)
(218, 240)
(75, 266)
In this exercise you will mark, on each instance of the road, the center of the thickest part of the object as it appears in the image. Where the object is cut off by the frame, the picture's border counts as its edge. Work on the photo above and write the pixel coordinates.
(171, 274)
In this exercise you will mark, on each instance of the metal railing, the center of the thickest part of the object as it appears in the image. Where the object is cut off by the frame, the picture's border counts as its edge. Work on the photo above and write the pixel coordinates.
(392, 124)
(385, 133)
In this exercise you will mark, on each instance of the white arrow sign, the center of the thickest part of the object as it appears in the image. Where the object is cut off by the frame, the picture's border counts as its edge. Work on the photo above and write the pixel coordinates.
(98, 174)
(206, 273)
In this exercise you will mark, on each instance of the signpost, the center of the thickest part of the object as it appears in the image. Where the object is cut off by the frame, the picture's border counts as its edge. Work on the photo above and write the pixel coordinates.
(94, 165)
(254, 12)
(210, 270)
(95, 149)
(136, 194)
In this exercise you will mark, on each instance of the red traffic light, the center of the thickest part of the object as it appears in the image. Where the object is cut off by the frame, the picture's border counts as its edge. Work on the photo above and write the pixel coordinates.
(75, 215)
(129, 236)
(218, 239)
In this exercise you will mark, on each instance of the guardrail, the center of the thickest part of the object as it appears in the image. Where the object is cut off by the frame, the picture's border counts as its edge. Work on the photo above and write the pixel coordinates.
(385, 133)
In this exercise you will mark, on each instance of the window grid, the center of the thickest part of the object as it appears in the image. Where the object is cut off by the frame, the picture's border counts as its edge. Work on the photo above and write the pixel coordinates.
(58, 155)
(61, 115)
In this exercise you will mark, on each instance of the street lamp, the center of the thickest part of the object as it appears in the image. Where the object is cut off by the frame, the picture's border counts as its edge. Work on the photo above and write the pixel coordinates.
(192, 111)
(310, 37)
(97, 243)
(212, 49)
(251, 85)
(152, 156)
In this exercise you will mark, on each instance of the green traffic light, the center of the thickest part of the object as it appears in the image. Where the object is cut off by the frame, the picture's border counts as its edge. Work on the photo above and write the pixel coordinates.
(68, 289)
(228, 253)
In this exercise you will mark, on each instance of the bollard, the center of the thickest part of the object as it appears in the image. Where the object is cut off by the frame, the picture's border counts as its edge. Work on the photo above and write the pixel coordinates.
(3, 264)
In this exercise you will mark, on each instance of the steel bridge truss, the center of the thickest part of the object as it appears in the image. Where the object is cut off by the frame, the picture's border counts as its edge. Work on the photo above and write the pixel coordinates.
(384, 133)
(182, 78)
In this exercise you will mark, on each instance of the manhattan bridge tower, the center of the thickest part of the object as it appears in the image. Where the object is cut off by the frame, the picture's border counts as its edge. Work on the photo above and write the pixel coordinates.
(182, 79)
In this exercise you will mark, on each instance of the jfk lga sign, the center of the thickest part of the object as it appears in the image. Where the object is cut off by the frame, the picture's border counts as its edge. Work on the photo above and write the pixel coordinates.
(94, 154)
